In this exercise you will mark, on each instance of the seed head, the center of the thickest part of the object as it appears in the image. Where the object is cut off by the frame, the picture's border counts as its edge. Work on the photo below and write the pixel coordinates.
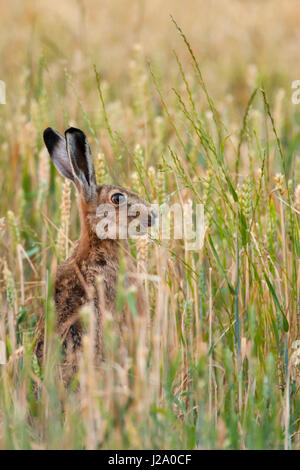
(279, 182)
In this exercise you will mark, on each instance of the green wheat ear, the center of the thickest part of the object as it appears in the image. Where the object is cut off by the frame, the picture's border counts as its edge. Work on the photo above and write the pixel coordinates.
(9, 285)
(12, 222)
(63, 233)
(102, 176)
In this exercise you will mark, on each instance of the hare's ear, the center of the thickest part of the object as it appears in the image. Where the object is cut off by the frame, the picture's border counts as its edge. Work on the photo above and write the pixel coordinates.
(81, 161)
(56, 145)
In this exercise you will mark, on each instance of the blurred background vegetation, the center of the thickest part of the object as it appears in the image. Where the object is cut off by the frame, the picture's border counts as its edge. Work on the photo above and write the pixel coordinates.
(216, 365)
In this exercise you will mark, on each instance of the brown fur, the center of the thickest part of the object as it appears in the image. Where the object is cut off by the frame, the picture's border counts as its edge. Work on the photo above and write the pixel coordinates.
(77, 281)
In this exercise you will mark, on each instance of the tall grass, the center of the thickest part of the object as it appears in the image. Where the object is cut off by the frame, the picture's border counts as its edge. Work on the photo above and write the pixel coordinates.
(214, 362)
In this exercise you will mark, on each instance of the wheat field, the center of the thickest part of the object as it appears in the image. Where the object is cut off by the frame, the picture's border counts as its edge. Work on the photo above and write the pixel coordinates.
(182, 104)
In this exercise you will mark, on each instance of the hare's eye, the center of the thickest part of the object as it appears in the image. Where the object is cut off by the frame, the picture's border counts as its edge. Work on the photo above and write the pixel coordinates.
(117, 199)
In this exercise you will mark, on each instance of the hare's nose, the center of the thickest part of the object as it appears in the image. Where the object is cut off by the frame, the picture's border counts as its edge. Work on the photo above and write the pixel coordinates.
(152, 218)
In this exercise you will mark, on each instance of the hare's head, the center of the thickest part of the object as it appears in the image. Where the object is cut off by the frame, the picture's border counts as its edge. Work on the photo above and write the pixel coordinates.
(109, 211)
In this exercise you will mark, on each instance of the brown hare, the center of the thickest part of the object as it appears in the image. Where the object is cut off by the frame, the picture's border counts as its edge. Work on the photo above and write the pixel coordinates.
(96, 256)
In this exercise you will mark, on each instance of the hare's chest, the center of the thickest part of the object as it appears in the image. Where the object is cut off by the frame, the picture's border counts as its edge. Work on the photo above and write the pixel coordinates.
(104, 278)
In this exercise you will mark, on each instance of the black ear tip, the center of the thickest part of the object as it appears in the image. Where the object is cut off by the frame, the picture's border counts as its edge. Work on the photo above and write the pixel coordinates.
(51, 138)
(47, 132)
(74, 131)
